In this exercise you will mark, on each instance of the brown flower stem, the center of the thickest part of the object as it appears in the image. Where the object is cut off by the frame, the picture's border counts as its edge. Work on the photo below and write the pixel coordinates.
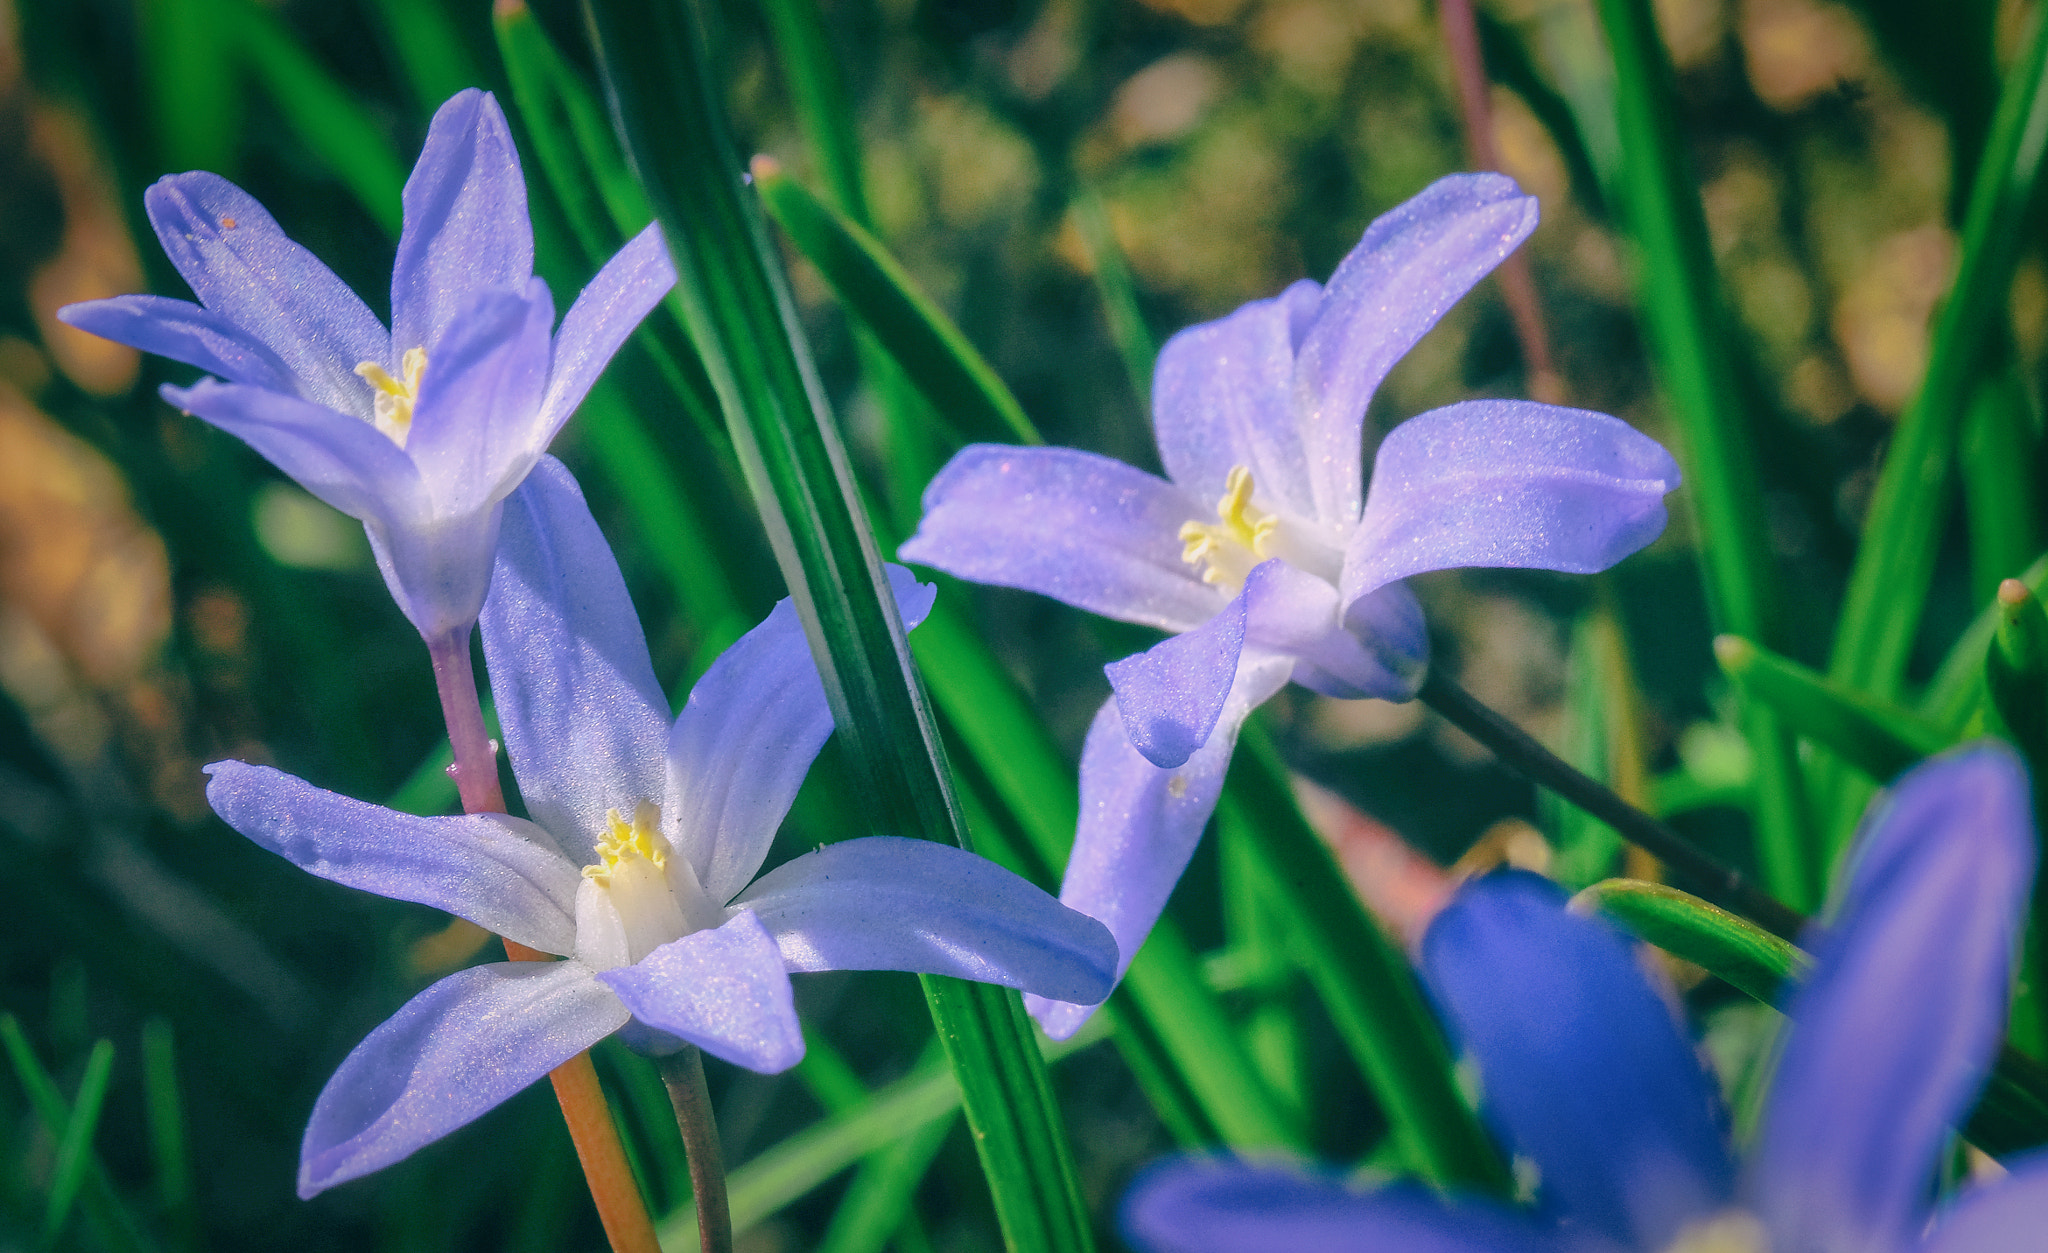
(683, 1074)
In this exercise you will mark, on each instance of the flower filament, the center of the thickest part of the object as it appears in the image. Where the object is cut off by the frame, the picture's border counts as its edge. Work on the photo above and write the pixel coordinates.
(1228, 548)
(393, 398)
(639, 894)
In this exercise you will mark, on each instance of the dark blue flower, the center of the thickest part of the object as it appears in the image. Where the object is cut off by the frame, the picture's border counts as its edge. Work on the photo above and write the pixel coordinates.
(1587, 1076)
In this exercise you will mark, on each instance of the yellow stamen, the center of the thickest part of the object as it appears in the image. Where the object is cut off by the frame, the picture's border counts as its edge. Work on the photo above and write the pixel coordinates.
(394, 397)
(624, 843)
(1228, 548)
(1735, 1231)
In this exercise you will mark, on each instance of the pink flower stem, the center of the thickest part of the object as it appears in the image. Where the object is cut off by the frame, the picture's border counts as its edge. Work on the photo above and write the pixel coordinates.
(476, 756)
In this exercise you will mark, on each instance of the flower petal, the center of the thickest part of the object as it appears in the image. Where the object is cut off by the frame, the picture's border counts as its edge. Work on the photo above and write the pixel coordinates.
(185, 332)
(723, 990)
(1171, 695)
(1894, 1030)
(605, 313)
(1582, 1066)
(2001, 1217)
(1380, 649)
(454, 1051)
(242, 267)
(1413, 264)
(746, 738)
(1507, 483)
(1139, 825)
(503, 874)
(1080, 528)
(884, 903)
(1223, 396)
(343, 461)
(466, 227)
(1206, 1206)
(472, 425)
(584, 719)
(438, 568)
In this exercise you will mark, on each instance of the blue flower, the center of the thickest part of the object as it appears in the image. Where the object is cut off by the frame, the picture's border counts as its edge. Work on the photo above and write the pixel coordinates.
(1289, 575)
(420, 432)
(639, 863)
(1587, 1076)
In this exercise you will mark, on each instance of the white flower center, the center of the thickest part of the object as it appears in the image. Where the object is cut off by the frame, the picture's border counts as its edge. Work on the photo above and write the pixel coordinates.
(393, 397)
(1244, 535)
(1736, 1231)
(638, 895)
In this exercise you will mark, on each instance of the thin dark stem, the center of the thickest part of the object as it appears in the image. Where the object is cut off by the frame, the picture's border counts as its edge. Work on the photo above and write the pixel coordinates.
(683, 1074)
(476, 758)
(1722, 884)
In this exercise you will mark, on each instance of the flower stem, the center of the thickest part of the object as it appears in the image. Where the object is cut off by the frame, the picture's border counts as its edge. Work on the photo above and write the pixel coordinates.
(476, 757)
(1724, 885)
(620, 1207)
(683, 1074)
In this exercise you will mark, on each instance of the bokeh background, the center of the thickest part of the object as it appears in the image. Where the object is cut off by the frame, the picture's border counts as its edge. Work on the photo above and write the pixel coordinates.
(166, 599)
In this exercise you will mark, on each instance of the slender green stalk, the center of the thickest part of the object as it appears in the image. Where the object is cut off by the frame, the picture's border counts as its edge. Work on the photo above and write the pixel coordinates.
(682, 1073)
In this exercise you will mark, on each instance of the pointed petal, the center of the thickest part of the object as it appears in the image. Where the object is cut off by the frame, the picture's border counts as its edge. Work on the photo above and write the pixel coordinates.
(438, 568)
(1412, 265)
(473, 424)
(1223, 396)
(242, 267)
(454, 1051)
(884, 903)
(1080, 528)
(503, 874)
(746, 738)
(583, 717)
(605, 313)
(1171, 695)
(1507, 483)
(2001, 1217)
(1581, 1064)
(1198, 1206)
(185, 332)
(466, 228)
(343, 461)
(723, 990)
(1381, 648)
(1894, 1031)
(1139, 825)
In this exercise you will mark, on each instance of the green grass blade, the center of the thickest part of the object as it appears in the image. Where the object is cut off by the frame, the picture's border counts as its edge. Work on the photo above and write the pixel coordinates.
(825, 111)
(74, 1147)
(744, 324)
(879, 1201)
(115, 1226)
(1363, 980)
(194, 83)
(430, 50)
(1695, 364)
(1902, 531)
(167, 1132)
(1127, 329)
(1871, 735)
(2001, 500)
(1957, 690)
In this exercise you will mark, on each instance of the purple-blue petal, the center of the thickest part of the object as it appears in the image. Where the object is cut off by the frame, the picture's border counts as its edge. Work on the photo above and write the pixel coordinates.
(1171, 695)
(185, 332)
(2006, 1216)
(746, 738)
(466, 226)
(503, 874)
(1507, 483)
(723, 990)
(342, 460)
(1072, 525)
(1413, 264)
(584, 719)
(605, 313)
(884, 903)
(438, 568)
(1380, 648)
(473, 424)
(1140, 824)
(1581, 1064)
(1223, 396)
(454, 1051)
(1192, 1205)
(1894, 1030)
(243, 268)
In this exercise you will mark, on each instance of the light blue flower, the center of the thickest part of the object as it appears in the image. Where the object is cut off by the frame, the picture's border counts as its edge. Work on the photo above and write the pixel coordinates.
(420, 432)
(639, 863)
(1288, 575)
(1586, 1075)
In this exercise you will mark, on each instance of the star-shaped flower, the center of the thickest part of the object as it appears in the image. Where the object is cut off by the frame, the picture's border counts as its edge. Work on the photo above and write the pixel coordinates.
(639, 863)
(1289, 575)
(420, 432)
(1586, 1075)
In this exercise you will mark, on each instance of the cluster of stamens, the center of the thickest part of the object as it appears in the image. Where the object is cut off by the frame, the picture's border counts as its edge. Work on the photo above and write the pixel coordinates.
(393, 398)
(1228, 548)
(623, 843)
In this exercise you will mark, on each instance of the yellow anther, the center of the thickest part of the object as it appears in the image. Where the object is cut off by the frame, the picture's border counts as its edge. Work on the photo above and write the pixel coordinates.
(1735, 1231)
(1239, 539)
(393, 397)
(626, 843)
